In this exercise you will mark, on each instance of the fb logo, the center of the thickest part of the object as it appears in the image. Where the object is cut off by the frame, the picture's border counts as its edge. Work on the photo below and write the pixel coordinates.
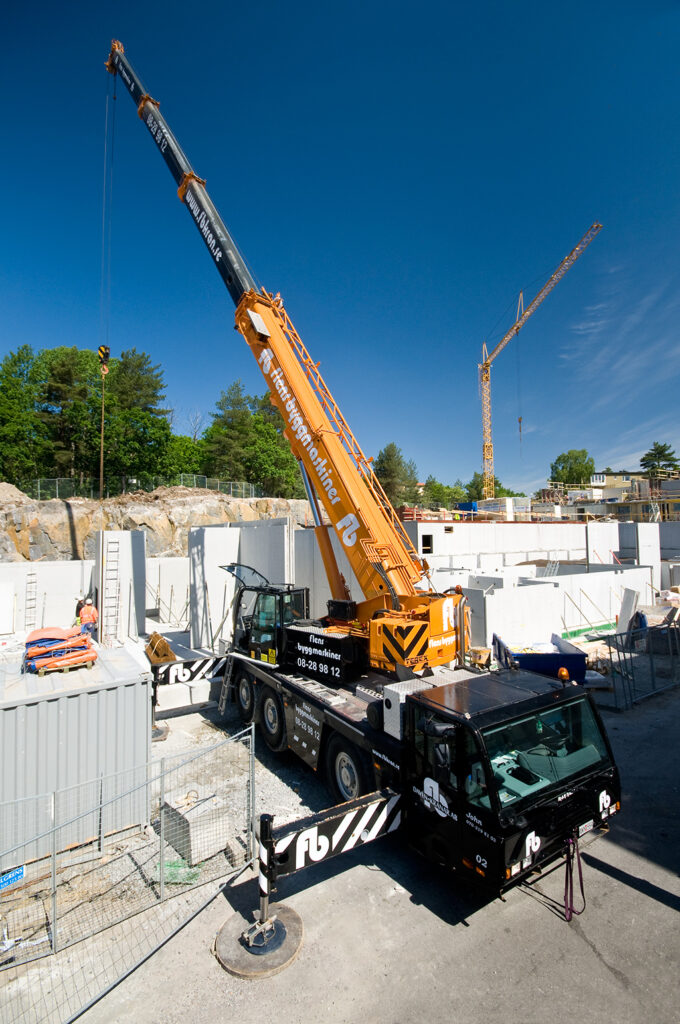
(350, 524)
(266, 361)
(605, 802)
(434, 799)
(448, 614)
(312, 845)
(533, 845)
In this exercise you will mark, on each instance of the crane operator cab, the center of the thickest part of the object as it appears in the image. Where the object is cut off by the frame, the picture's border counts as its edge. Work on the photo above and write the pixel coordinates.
(262, 610)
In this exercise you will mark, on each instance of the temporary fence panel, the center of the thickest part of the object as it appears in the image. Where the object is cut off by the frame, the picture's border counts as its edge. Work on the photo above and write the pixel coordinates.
(642, 662)
(64, 488)
(190, 823)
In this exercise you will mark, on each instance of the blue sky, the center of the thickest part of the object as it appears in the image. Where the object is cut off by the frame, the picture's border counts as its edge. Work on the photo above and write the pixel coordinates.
(398, 172)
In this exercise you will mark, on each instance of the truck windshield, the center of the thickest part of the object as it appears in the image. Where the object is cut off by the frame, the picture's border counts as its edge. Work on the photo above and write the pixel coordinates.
(543, 749)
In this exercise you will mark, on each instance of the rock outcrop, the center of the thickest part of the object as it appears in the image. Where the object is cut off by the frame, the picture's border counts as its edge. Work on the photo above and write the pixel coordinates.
(64, 530)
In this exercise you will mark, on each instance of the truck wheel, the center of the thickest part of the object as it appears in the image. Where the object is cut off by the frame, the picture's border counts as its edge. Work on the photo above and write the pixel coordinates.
(272, 720)
(245, 697)
(346, 770)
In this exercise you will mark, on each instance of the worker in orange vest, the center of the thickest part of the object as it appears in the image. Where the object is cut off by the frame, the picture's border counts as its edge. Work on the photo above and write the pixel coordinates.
(88, 616)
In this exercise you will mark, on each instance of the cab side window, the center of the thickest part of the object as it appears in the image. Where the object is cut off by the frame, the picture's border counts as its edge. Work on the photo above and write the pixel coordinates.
(436, 755)
(264, 619)
(474, 778)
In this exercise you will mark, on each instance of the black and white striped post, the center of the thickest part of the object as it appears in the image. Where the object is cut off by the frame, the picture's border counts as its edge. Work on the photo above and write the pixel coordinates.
(268, 933)
(285, 851)
(266, 855)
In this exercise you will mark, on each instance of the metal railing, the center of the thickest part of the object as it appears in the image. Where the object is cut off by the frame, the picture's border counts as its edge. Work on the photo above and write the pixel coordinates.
(642, 662)
(44, 489)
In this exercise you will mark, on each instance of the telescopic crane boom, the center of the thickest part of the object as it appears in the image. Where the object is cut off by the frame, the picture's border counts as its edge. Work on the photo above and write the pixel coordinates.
(485, 365)
(404, 624)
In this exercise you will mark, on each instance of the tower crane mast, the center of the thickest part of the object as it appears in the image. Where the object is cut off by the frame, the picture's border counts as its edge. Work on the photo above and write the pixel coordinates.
(487, 359)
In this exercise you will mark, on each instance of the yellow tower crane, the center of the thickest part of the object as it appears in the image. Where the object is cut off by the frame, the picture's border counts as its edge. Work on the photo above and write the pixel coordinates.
(485, 366)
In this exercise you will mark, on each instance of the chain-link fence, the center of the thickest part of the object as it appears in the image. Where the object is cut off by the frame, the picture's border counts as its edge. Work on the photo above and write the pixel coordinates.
(641, 662)
(65, 487)
(83, 860)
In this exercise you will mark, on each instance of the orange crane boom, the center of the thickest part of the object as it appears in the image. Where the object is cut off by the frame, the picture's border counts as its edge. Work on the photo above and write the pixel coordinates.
(485, 365)
(404, 623)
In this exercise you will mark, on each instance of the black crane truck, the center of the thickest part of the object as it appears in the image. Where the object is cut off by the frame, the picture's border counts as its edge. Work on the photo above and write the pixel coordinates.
(497, 771)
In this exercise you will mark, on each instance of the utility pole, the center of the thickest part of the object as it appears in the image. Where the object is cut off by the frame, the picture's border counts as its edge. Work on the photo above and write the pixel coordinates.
(104, 353)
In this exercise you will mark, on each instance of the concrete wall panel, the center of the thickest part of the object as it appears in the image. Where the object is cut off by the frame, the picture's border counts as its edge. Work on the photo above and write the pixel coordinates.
(267, 545)
(167, 588)
(58, 585)
(211, 588)
(310, 572)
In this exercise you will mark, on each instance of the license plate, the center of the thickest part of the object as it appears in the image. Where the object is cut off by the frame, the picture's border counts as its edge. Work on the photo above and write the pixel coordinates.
(588, 827)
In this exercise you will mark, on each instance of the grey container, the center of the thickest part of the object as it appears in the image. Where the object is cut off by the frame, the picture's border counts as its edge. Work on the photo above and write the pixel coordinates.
(68, 742)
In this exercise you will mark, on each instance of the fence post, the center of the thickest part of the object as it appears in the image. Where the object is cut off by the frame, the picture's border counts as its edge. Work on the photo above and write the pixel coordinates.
(161, 859)
(251, 793)
(53, 865)
(650, 653)
(101, 812)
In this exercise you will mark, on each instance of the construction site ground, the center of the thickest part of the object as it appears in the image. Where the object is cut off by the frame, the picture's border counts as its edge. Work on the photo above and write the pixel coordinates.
(389, 938)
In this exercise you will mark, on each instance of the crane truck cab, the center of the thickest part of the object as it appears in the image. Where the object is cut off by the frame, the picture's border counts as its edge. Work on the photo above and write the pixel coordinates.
(501, 770)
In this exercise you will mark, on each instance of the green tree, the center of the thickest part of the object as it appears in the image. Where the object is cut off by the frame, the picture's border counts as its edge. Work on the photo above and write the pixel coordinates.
(442, 495)
(398, 477)
(245, 442)
(226, 437)
(269, 461)
(69, 407)
(23, 438)
(475, 489)
(659, 457)
(136, 445)
(572, 467)
(133, 383)
(184, 455)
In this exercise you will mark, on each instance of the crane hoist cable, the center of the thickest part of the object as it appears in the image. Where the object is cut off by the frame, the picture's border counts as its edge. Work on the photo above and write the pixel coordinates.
(107, 209)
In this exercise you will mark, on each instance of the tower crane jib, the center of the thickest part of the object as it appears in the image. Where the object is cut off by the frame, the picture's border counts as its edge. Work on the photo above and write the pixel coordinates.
(487, 359)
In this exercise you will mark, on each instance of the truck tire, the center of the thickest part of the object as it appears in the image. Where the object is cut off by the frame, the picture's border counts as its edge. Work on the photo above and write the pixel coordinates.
(347, 769)
(244, 690)
(272, 720)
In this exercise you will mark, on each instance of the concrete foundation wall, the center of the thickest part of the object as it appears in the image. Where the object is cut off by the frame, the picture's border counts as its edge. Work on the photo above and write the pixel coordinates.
(167, 589)
(211, 588)
(528, 610)
(669, 540)
(310, 572)
(263, 545)
(498, 544)
(122, 602)
(517, 614)
(602, 542)
(268, 546)
(58, 586)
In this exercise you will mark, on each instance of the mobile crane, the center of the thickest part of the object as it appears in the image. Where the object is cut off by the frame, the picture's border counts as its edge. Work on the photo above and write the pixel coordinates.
(496, 773)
